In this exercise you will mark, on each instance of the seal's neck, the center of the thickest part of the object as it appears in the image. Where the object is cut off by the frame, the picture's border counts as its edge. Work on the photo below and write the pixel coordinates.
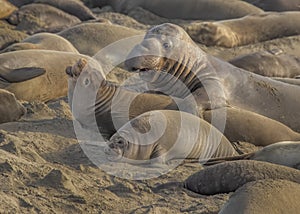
(104, 97)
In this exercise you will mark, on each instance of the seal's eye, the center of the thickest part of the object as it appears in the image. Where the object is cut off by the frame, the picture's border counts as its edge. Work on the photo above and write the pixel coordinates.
(86, 81)
(166, 45)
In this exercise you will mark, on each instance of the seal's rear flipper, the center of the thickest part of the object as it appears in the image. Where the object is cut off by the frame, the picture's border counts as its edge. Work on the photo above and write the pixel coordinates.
(22, 74)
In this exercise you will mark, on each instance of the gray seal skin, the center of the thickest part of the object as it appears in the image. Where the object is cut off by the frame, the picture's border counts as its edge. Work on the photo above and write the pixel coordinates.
(247, 126)
(45, 41)
(36, 18)
(167, 54)
(10, 108)
(229, 176)
(269, 64)
(36, 75)
(90, 38)
(114, 105)
(264, 196)
(276, 5)
(284, 153)
(247, 30)
(192, 9)
(164, 135)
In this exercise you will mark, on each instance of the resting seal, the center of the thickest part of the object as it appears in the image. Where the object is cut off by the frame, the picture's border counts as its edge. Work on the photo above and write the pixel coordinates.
(168, 56)
(247, 30)
(164, 135)
(283, 153)
(276, 5)
(264, 196)
(10, 108)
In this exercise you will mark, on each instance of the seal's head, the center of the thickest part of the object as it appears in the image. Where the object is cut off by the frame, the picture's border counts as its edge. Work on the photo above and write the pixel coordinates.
(116, 148)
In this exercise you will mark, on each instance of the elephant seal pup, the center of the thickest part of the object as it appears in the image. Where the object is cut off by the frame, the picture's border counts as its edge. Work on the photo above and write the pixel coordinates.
(6, 8)
(276, 5)
(264, 196)
(192, 9)
(73, 7)
(246, 126)
(10, 108)
(229, 176)
(164, 135)
(247, 30)
(167, 56)
(36, 18)
(36, 75)
(269, 64)
(45, 41)
(284, 153)
(102, 34)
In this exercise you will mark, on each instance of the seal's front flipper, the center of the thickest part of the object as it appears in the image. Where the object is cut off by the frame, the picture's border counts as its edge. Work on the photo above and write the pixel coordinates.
(22, 74)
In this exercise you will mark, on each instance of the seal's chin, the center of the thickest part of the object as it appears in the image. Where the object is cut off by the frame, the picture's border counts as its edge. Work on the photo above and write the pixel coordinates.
(113, 154)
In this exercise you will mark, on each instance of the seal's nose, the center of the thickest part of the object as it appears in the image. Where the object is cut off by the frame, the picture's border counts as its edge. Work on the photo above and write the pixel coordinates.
(69, 71)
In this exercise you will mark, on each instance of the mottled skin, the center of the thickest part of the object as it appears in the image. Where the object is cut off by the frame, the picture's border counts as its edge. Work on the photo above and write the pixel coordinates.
(247, 126)
(45, 41)
(192, 9)
(35, 18)
(229, 176)
(10, 108)
(247, 30)
(264, 196)
(276, 5)
(167, 54)
(167, 135)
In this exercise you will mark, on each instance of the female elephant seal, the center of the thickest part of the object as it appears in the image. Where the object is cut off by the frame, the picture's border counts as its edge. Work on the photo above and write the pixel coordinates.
(167, 56)
(10, 108)
(247, 30)
(164, 135)
(264, 196)
(284, 153)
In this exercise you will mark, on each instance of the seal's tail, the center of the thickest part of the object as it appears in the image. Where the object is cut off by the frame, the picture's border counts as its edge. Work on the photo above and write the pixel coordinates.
(214, 161)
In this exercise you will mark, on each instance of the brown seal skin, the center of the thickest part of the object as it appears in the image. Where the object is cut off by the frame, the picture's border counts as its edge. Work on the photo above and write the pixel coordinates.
(264, 196)
(114, 105)
(269, 64)
(247, 30)
(167, 54)
(229, 176)
(10, 108)
(276, 5)
(284, 153)
(6, 8)
(193, 9)
(247, 126)
(183, 136)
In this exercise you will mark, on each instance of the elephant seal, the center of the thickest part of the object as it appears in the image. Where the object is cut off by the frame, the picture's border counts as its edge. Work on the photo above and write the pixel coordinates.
(264, 196)
(269, 64)
(10, 108)
(45, 41)
(276, 5)
(164, 135)
(102, 34)
(247, 30)
(73, 7)
(36, 75)
(291, 81)
(246, 126)
(20, 3)
(284, 153)
(167, 56)
(114, 105)
(229, 176)
(193, 9)
(6, 8)
(10, 36)
(36, 18)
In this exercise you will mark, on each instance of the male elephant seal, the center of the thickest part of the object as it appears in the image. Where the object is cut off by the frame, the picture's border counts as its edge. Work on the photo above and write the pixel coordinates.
(164, 135)
(45, 41)
(192, 9)
(276, 5)
(35, 18)
(229, 176)
(246, 126)
(247, 30)
(36, 75)
(269, 64)
(283, 153)
(10, 108)
(264, 196)
(167, 56)
(90, 38)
